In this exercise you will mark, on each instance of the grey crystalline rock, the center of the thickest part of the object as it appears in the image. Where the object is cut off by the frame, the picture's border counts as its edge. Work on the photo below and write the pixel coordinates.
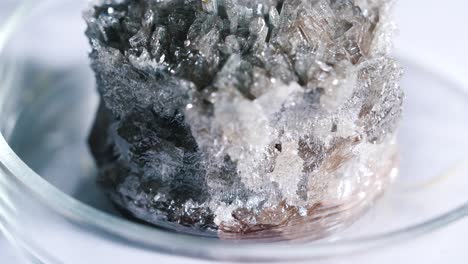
(245, 119)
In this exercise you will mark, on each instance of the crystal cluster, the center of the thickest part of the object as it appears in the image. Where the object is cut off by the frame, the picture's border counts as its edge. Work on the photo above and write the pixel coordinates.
(244, 118)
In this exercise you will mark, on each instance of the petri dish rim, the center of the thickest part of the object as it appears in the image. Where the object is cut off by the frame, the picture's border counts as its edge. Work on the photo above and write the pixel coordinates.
(188, 245)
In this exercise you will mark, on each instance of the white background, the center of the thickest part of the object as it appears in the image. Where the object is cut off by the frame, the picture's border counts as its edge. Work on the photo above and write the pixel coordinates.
(434, 33)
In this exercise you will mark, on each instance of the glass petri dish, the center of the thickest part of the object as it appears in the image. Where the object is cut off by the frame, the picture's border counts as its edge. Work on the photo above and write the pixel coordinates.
(52, 210)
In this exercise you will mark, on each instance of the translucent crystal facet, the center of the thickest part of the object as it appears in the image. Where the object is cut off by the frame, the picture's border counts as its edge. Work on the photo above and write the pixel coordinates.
(244, 118)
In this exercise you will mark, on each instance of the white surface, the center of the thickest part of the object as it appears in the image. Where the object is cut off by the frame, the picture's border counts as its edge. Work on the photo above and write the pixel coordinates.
(7, 253)
(432, 32)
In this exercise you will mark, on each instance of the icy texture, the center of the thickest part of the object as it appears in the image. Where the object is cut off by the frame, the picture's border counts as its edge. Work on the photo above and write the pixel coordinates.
(244, 116)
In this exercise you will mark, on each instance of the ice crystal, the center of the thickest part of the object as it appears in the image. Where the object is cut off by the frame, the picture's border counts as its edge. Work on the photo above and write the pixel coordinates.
(244, 117)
